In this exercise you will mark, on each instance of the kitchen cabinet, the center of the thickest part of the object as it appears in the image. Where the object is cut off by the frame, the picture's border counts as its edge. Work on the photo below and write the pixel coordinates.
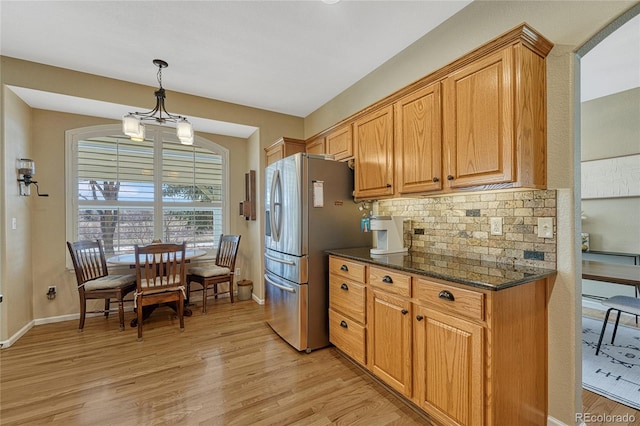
(315, 146)
(389, 325)
(465, 355)
(282, 148)
(347, 304)
(418, 142)
(494, 121)
(373, 142)
(339, 143)
(448, 352)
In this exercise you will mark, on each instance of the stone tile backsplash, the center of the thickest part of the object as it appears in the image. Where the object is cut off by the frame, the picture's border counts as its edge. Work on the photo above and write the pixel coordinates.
(458, 225)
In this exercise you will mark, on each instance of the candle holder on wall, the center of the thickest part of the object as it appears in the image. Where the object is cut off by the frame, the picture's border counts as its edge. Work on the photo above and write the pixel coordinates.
(26, 170)
(248, 206)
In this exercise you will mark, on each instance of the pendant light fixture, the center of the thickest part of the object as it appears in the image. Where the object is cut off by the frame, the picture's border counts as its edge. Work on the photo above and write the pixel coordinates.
(132, 123)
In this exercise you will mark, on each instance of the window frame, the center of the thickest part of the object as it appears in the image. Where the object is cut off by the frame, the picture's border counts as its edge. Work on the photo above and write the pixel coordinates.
(155, 133)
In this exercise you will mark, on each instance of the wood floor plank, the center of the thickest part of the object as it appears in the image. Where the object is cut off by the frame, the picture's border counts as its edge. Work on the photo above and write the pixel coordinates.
(227, 368)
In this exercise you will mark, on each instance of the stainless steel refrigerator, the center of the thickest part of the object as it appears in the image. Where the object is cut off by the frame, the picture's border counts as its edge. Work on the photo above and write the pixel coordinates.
(309, 209)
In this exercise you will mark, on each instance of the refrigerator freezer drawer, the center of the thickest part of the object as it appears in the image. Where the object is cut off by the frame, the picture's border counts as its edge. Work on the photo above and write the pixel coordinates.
(287, 310)
(292, 268)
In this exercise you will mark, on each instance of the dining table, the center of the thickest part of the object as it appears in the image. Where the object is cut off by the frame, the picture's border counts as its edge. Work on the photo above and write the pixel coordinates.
(616, 273)
(129, 259)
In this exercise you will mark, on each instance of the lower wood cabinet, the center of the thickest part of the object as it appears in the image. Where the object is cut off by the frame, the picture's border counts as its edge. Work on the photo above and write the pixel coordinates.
(448, 367)
(389, 325)
(466, 356)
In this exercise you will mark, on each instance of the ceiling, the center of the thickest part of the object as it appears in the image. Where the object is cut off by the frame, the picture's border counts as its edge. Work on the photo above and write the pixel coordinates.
(289, 57)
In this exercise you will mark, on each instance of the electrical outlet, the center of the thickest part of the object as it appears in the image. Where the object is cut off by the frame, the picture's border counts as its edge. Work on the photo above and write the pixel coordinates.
(545, 227)
(51, 292)
(237, 273)
(496, 225)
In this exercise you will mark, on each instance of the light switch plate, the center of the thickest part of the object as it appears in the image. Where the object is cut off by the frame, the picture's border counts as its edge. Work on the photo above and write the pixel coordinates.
(496, 225)
(545, 227)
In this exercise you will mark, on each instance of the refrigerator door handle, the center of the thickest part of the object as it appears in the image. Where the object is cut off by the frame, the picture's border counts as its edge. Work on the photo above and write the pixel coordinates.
(275, 259)
(281, 287)
(276, 215)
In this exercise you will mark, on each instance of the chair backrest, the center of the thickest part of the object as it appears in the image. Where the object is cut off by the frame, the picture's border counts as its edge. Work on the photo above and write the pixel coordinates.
(227, 251)
(160, 265)
(88, 259)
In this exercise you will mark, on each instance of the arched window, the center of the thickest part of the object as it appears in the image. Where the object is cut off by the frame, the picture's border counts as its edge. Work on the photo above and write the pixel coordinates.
(125, 192)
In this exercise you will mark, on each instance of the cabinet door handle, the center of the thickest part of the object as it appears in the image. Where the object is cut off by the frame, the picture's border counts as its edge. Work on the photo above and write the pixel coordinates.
(343, 324)
(387, 279)
(419, 317)
(404, 312)
(447, 295)
(436, 179)
(344, 286)
(344, 268)
(388, 185)
(450, 177)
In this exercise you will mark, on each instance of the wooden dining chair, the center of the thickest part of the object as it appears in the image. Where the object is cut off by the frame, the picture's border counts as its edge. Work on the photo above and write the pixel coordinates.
(222, 272)
(94, 281)
(160, 278)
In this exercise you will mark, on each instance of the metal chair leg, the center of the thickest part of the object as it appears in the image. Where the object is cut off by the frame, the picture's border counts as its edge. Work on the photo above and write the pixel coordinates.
(604, 326)
(615, 328)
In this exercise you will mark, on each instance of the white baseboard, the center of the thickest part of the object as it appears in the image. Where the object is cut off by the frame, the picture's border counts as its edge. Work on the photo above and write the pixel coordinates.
(7, 343)
(257, 299)
(552, 421)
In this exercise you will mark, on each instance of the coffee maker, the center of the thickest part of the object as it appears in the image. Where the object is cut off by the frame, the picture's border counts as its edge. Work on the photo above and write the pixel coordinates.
(389, 234)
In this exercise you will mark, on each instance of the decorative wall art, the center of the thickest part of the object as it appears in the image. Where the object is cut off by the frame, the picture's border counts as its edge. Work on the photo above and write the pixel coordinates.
(611, 177)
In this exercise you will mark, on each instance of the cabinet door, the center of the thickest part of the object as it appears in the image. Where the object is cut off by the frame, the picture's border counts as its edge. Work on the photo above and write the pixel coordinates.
(448, 367)
(274, 153)
(418, 143)
(373, 140)
(389, 324)
(478, 122)
(339, 143)
(315, 146)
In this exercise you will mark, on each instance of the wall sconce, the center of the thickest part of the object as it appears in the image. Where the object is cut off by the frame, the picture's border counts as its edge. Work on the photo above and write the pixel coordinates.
(26, 170)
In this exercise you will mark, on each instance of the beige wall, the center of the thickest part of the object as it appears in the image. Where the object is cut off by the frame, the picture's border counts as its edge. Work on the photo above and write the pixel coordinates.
(610, 127)
(16, 253)
(473, 26)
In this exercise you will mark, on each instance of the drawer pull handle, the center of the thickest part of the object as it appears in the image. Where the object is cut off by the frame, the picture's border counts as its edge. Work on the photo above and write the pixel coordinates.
(344, 286)
(344, 268)
(450, 177)
(436, 179)
(343, 324)
(446, 295)
(404, 312)
(419, 317)
(387, 279)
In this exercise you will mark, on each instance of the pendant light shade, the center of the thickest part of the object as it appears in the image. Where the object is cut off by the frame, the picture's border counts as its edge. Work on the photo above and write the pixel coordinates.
(132, 123)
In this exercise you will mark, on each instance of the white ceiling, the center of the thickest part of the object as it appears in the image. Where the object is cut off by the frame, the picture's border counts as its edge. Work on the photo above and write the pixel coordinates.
(284, 56)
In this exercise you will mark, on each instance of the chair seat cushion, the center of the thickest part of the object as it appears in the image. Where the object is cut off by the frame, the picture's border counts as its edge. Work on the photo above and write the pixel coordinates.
(626, 304)
(110, 282)
(209, 271)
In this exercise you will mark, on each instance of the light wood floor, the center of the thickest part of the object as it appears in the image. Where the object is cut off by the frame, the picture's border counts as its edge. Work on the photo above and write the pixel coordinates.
(227, 368)
(596, 404)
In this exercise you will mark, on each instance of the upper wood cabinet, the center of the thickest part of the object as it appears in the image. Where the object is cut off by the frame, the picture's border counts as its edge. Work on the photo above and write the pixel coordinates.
(373, 141)
(282, 148)
(315, 146)
(418, 142)
(494, 121)
(339, 143)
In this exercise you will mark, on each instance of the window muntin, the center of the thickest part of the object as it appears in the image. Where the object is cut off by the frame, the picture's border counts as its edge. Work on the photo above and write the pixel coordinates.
(129, 193)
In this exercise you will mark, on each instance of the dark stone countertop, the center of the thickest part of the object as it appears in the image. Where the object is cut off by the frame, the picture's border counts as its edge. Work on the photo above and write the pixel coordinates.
(471, 272)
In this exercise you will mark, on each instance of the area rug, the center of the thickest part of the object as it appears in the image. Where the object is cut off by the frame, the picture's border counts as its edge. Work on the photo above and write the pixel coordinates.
(615, 372)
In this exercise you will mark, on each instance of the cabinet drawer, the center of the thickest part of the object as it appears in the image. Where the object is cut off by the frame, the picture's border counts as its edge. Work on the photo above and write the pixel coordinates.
(347, 297)
(391, 282)
(346, 268)
(347, 335)
(450, 299)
